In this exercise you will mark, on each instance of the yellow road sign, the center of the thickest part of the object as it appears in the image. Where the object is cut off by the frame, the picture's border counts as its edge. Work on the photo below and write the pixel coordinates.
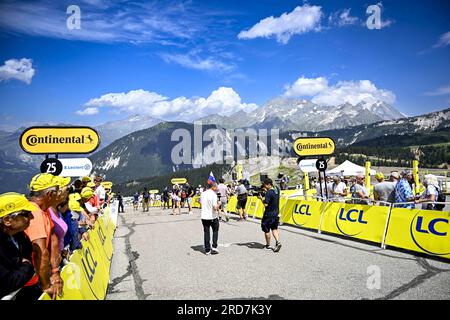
(154, 191)
(178, 180)
(55, 140)
(314, 146)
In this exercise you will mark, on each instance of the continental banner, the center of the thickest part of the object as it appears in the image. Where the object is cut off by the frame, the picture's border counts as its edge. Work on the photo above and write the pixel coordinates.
(356, 221)
(420, 230)
(305, 214)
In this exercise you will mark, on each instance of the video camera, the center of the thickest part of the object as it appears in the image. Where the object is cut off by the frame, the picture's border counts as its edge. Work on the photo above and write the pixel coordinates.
(257, 191)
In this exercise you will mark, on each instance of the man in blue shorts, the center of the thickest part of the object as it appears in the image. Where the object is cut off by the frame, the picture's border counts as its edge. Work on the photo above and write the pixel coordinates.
(270, 218)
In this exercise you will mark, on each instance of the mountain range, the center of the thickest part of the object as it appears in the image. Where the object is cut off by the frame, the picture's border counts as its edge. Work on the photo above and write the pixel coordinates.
(302, 115)
(127, 153)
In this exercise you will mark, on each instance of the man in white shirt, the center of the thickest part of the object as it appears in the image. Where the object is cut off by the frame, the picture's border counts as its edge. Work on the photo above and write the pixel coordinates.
(100, 190)
(210, 217)
(338, 189)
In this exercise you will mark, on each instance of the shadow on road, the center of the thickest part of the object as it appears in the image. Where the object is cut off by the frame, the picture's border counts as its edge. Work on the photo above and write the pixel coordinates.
(251, 245)
(199, 248)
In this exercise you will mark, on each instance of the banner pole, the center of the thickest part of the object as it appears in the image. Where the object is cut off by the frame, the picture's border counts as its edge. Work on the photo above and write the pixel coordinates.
(321, 216)
(383, 245)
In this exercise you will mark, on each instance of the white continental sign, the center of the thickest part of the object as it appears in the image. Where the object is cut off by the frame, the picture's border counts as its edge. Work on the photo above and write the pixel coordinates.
(308, 165)
(76, 167)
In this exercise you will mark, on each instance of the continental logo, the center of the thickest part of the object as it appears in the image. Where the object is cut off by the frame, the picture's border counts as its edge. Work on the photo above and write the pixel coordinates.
(178, 180)
(431, 234)
(59, 140)
(314, 146)
(351, 223)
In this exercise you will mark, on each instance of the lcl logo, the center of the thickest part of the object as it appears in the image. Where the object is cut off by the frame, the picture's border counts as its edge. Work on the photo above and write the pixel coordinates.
(430, 234)
(88, 260)
(301, 210)
(353, 217)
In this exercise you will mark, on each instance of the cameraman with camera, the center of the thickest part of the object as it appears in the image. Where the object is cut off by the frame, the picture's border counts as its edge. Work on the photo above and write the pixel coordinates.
(270, 220)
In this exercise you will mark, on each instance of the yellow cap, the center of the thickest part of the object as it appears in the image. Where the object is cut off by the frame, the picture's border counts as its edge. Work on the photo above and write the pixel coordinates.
(74, 205)
(63, 181)
(87, 193)
(107, 184)
(379, 176)
(90, 185)
(86, 179)
(43, 181)
(14, 202)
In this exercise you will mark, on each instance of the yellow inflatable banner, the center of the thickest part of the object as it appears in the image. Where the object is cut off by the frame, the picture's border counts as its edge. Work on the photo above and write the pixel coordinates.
(356, 221)
(423, 231)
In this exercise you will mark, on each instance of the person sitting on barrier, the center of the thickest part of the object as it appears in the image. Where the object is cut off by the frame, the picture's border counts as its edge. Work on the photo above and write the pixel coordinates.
(431, 194)
(403, 190)
(46, 258)
(338, 189)
(383, 190)
(360, 192)
(270, 219)
(16, 268)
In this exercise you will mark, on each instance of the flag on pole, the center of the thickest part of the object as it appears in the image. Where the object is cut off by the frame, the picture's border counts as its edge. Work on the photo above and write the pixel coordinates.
(211, 178)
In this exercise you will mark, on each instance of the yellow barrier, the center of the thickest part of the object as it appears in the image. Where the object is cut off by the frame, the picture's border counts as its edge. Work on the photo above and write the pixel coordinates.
(423, 231)
(356, 221)
(301, 213)
(86, 276)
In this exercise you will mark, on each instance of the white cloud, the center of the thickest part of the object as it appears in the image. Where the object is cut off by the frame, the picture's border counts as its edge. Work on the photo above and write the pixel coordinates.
(442, 91)
(444, 40)
(21, 70)
(223, 101)
(195, 62)
(302, 20)
(342, 92)
(88, 112)
(105, 21)
(306, 87)
(342, 18)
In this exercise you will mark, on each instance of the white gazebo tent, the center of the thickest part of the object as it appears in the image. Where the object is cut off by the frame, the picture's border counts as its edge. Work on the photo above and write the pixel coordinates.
(349, 169)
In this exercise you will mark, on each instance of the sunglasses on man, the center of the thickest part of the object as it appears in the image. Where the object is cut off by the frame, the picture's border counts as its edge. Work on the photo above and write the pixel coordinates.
(26, 214)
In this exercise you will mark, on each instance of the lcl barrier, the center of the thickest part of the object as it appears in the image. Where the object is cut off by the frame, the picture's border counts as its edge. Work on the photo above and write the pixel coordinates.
(86, 276)
(424, 231)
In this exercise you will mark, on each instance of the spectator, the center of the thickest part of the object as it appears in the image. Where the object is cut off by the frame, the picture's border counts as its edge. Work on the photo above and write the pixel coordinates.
(210, 218)
(120, 200)
(222, 190)
(189, 193)
(60, 226)
(46, 259)
(403, 190)
(100, 190)
(338, 189)
(176, 199)
(71, 240)
(431, 194)
(242, 197)
(145, 200)
(270, 219)
(320, 189)
(383, 190)
(360, 192)
(16, 267)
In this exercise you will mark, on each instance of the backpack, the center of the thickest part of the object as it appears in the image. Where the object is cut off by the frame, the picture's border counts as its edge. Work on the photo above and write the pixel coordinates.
(440, 198)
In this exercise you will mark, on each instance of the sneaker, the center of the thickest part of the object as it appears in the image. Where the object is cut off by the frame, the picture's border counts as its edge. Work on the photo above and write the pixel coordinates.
(228, 219)
(215, 251)
(190, 212)
(208, 252)
(268, 247)
(277, 247)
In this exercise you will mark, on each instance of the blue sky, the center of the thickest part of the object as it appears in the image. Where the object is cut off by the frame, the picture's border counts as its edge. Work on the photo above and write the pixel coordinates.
(180, 60)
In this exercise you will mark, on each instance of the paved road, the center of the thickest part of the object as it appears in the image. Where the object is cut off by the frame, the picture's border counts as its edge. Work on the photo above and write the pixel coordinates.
(160, 256)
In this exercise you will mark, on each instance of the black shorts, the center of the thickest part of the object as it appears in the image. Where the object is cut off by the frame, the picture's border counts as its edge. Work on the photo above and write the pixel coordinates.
(269, 223)
(241, 202)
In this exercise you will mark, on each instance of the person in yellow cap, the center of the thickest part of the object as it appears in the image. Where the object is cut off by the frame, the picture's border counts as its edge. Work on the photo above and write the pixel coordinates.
(16, 267)
(384, 190)
(44, 193)
(85, 181)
